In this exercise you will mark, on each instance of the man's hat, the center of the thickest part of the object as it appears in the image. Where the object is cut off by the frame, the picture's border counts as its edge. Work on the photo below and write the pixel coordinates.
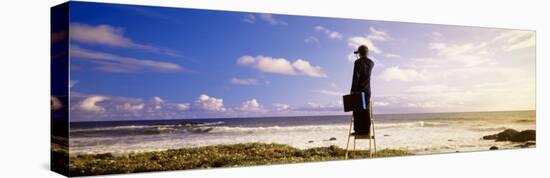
(361, 48)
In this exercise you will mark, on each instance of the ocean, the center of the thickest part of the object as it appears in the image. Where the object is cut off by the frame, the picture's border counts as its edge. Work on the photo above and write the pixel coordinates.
(417, 133)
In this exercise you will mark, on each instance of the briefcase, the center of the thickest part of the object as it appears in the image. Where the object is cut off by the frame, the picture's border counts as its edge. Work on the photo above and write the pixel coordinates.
(355, 102)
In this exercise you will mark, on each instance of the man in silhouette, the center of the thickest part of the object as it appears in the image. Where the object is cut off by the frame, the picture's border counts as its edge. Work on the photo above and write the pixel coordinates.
(361, 83)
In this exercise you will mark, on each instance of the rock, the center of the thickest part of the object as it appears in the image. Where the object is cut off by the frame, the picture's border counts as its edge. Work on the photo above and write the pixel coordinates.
(332, 138)
(493, 148)
(311, 141)
(505, 135)
(386, 135)
(451, 140)
(523, 136)
(513, 135)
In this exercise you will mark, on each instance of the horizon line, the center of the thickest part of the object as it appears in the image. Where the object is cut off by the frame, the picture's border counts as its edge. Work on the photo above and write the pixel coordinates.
(302, 116)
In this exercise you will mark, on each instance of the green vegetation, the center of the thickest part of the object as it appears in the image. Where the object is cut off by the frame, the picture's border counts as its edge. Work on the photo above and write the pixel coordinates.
(248, 154)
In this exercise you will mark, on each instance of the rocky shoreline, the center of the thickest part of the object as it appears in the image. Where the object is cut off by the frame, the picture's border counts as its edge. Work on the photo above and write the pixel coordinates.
(524, 139)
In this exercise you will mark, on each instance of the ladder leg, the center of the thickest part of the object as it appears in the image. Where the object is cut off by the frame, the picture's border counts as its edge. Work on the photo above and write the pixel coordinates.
(347, 147)
(354, 140)
(374, 137)
(349, 137)
(374, 145)
(370, 147)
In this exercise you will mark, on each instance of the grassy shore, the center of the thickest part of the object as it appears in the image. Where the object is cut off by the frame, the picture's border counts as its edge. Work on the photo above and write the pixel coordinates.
(248, 154)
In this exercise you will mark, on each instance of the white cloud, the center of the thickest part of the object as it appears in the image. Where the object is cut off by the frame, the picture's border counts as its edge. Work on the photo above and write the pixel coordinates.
(356, 41)
(312, 40)
(100, 34)
(306, 68)
(458, 89)
(378, 35)
(281, 107)
(330, 33)
(381, 103)
(250, 106)
(56, 103)
(469, 54)
(90, 104)
(406, 75)
(114, 63)
(268, 64)
(389, 55)
(157, 101)
(269, 18)
(529, 42)
(281, 66)
(457, 49)
(431, 88)
(211, 104)
(469, 61)
(312, 106)
(123, 108)
(512, 36)
(183, 106)
(132, 107)
(275, 65)
(437, 46)
(335, 35)
(425, 105)
(246, 60)
(110, 36)
(330, 92)
(244, 81)
(374, 35)
(249, 18)
(479, 54)
(482, 52)
(436, 34)
(415, 103)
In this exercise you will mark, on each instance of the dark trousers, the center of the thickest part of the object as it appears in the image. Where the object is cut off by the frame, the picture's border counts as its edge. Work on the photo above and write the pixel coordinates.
(361, 120)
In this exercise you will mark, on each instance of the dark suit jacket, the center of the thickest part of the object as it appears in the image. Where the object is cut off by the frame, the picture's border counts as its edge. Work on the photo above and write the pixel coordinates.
(361, 76)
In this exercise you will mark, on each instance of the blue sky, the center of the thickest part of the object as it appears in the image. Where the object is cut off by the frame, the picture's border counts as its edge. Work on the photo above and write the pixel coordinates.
(138, 62)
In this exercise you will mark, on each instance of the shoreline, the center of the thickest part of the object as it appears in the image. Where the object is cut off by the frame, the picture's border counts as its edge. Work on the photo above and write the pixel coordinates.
(234, 155)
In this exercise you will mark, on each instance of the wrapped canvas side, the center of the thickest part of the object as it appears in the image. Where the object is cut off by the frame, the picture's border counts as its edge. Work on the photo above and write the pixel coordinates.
(59, 65)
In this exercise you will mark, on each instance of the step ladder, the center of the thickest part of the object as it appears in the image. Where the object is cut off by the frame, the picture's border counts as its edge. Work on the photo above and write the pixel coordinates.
(371, 135)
